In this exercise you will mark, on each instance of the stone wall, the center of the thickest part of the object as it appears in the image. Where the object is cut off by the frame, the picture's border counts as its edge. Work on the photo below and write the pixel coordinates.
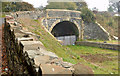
(28, 14)
(27, 55)
(62, 13)
(99, 45)
(95, 31)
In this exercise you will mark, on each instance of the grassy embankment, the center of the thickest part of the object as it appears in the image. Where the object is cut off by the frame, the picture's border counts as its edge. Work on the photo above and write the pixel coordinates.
(102, 61)
(110, 23)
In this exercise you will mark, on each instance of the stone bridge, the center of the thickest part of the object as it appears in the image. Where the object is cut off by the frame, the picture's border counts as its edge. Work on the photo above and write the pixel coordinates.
(63, 22)
(67, 25)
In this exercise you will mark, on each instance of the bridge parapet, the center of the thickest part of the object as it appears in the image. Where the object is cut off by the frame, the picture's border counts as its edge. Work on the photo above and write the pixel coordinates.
(62, 13)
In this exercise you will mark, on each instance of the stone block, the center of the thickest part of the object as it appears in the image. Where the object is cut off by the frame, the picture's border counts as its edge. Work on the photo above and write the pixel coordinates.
(57, 61)
(81, 69)
(48, 69)
(51, 54)
(67, 64)
(31, 45)
(24, 39)
(20, 35)
(15, 28)
(41, 60)
(33, 53)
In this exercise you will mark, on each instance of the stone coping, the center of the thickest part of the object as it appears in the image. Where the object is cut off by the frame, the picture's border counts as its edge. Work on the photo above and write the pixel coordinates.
(99, 45)
(63, 10)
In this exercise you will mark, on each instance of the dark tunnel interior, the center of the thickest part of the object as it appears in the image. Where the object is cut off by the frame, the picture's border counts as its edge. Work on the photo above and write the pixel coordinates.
(65, 28)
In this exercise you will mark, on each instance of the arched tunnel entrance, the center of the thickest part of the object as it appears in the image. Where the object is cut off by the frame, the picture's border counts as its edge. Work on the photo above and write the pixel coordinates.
(67, 32)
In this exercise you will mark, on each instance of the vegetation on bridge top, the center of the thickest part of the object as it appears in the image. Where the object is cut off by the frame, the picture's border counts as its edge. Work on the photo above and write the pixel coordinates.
(66, 5)
(86, 14)
(61, 5)
(109, 22)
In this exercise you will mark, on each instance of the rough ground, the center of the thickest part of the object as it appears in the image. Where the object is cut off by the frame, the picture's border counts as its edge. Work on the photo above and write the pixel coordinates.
(102, 61)
(98, 57)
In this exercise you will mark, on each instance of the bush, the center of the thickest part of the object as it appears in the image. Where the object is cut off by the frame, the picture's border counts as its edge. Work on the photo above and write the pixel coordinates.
(87, 15)
(110, 23)
(16, 6)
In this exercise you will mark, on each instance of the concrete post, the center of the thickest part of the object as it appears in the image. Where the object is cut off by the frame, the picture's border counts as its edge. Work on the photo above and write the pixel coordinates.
(82, 30)
(46, 19)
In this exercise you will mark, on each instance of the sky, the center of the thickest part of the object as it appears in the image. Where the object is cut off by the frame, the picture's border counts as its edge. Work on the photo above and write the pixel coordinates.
(102, 5)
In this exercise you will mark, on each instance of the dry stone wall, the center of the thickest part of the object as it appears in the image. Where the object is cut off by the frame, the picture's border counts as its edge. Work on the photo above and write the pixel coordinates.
(27, 55)
(99, 45)
(95, 31)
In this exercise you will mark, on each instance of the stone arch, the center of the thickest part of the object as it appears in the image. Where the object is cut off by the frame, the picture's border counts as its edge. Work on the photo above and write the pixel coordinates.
(59, 21)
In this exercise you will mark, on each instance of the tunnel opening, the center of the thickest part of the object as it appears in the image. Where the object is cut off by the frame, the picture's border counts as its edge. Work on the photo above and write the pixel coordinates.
(66, 31)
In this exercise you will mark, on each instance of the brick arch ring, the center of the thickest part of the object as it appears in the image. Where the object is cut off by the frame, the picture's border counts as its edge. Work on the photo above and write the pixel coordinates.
(58, 21)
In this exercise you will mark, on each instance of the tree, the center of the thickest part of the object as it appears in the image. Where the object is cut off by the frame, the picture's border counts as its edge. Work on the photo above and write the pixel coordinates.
(67, 5)
(16, 6)
(95, 10)
(62, 5)
(81, 5)
(113, 6)
(110, 22)
(110, 9)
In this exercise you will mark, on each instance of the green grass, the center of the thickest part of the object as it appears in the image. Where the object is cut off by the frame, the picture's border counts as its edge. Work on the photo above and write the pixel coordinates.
(105, 67)
(49, 42)
(73, 54)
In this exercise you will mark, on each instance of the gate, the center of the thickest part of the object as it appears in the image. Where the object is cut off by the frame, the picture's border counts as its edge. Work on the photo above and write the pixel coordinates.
(67, 40)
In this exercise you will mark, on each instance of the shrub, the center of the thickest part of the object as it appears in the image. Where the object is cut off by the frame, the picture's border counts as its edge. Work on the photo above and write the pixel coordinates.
(110, 23)
(87, 15)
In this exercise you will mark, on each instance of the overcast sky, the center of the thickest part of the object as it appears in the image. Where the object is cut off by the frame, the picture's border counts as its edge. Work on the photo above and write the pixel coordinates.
(102, 5)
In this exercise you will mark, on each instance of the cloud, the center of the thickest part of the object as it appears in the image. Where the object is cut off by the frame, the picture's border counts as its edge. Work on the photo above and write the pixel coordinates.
(37, 3)
(102, 5)
(114, 1)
